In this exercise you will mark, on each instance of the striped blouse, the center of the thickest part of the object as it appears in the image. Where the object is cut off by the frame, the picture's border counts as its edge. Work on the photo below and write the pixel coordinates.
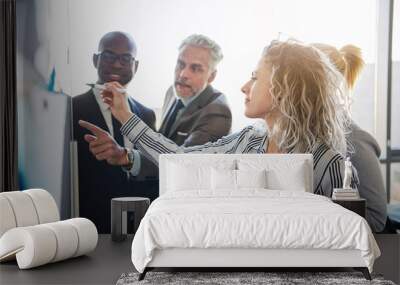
(328, 165)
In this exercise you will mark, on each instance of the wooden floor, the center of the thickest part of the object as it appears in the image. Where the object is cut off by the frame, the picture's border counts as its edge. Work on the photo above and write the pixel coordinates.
(110, 259)
(102, 266)
(388, 264)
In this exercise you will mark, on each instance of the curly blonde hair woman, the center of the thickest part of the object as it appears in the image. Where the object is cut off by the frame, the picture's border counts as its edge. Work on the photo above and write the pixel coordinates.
(294, 88)
(365, 149)
(307, 93)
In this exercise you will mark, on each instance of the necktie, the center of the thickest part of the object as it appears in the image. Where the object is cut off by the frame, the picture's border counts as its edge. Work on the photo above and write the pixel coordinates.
(172, 117)
(117, 133)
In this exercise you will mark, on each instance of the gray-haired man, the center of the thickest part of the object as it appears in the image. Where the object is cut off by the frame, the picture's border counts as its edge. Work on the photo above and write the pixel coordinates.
(194, 112)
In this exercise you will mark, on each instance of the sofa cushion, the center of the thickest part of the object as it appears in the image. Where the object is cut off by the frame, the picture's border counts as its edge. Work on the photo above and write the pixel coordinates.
(40, 244)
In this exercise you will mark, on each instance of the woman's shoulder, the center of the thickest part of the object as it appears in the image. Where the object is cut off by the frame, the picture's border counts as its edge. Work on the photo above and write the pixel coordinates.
(256, 130)
(328, 169)
(252, 135)
(248, 133)
(326, 156)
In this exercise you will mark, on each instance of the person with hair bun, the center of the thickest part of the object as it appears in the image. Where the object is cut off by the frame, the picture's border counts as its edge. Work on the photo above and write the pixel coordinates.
(363, 148)
(295, 89)
(348, 60)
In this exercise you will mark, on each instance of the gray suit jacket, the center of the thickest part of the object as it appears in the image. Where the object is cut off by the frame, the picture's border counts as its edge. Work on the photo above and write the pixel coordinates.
(366, 160)
(206, 119)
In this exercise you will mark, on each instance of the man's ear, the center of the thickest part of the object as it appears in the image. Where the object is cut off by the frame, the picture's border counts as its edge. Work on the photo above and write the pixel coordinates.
(136, 62)
(95, 60)
(212, 77)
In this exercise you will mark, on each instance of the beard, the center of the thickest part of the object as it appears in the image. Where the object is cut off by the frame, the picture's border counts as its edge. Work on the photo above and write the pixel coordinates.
(191, 92)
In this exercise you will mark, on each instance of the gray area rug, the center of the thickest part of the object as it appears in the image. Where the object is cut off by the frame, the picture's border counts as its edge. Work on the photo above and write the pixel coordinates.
(228, 278)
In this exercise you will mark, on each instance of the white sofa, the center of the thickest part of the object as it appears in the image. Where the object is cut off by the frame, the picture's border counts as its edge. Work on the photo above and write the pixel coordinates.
(31, 231)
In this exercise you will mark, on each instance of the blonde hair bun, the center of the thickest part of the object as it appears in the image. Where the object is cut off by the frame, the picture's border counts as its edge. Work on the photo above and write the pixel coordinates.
(354, 63)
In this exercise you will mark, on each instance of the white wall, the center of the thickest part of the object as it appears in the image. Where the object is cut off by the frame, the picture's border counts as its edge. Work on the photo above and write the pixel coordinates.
(242, 28)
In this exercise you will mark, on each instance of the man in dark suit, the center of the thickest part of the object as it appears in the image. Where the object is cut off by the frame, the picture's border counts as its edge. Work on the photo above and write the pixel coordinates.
(100, 181)
(194, 112)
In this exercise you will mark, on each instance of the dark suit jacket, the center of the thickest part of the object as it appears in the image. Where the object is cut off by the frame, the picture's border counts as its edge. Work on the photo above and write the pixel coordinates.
(206, 119)
(99, 181)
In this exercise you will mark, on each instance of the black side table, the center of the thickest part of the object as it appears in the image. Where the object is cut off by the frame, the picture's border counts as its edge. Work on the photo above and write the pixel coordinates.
(119, 208)
(358, 206)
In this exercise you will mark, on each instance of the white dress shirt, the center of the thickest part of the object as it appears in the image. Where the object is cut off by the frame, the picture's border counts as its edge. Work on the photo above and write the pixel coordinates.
(135, 170)
(107, 115)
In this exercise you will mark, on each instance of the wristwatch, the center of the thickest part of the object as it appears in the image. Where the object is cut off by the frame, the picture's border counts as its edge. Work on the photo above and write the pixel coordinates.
(129, 157)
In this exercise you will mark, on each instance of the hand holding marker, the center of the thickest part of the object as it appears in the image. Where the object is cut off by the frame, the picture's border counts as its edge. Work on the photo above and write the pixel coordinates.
(102, 87)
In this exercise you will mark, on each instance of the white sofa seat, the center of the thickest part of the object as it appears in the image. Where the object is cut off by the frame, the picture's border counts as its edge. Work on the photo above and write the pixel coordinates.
(41, 244)
(31, 233)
